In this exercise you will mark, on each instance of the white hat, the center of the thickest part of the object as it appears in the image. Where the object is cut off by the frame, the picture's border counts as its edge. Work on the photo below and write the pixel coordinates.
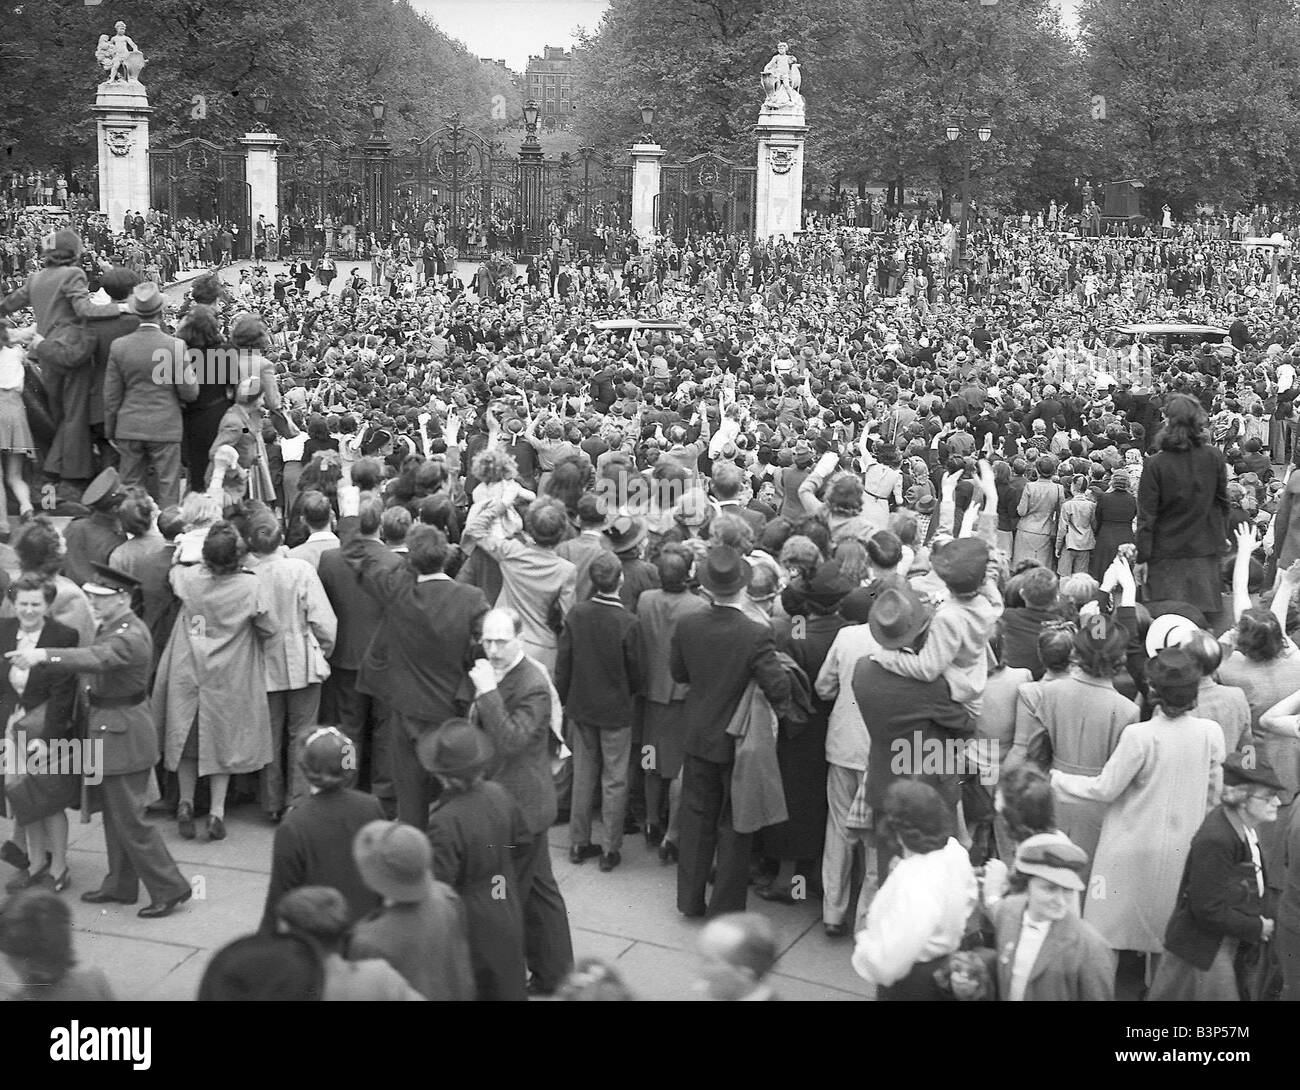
(1169, 630)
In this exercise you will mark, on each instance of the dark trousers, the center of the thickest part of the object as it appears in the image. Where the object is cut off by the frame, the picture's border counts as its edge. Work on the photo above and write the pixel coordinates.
(414, 787)
(139, 456)
(548, 946)
(136, 852)
(363, 719)
(706, 829)
(636, 798)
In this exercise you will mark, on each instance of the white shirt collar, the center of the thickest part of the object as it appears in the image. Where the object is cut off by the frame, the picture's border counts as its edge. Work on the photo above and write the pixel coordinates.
(431, 576)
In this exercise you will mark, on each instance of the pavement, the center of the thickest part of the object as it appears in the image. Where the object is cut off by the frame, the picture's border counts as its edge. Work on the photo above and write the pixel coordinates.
(627, 918)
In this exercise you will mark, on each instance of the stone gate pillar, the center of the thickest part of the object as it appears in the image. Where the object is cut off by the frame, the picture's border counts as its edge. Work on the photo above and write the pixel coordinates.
(262, 172)
(122, 114)
(646, 163)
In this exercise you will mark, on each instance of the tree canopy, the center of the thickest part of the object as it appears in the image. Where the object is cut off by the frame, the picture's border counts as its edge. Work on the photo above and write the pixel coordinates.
(322, 61)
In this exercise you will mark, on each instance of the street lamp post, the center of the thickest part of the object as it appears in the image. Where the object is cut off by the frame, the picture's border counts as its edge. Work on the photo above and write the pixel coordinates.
(376, 152)
(963, 130)
(588, 153)
(531, 170)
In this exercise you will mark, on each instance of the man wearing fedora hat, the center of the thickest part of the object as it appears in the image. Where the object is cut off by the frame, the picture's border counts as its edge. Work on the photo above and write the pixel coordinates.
(904, 716)
(718, 653)
(476, 828)
(144, 386)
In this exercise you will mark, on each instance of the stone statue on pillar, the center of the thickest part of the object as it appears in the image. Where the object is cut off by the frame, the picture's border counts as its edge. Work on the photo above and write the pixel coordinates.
(119, 56)
(781, 79)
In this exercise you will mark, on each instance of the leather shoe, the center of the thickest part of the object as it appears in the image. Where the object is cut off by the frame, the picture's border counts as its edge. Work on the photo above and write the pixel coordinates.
(780, 894)
(580, 853)
(668, 852)
(610, 860)
(99, 897)
(836, 930)
(13, 855)
(653, 836)
(216, 828)
(185, 820)
(158, 909)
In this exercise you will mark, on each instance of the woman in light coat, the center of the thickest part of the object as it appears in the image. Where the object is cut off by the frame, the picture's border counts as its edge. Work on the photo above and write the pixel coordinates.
(209, 699)
(296, 658)
(1038, 507)
(1160, 782)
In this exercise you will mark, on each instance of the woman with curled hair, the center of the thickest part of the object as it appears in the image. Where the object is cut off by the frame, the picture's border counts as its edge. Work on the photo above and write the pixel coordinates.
(1220, 920)
(918, 917)
(1182, 512)
(40, 553)
(1225, 704)
(36, 940)
(1158, 784)
(1265, 665)
(209, 696)
(36, 707)
(201, 331)
(1074, 724)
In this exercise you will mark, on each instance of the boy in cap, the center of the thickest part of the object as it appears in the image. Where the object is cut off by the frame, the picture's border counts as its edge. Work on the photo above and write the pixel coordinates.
(957, 647)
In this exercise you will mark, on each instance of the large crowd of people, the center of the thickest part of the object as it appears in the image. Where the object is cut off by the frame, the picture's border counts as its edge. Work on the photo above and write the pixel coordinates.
(834, 568)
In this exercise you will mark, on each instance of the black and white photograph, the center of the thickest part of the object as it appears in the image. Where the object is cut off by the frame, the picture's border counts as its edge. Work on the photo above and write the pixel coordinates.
(651, 500)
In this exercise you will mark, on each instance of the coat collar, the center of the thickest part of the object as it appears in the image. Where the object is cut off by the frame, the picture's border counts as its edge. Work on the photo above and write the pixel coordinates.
(1059, 937)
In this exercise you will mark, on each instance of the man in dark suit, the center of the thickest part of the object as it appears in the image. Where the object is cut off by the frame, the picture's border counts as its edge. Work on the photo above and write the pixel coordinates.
(118, 283)
(360, 615)
(121, 722)
(418, 662)
(718, 653)
(518, 709)
(144, 385)
(597, 673)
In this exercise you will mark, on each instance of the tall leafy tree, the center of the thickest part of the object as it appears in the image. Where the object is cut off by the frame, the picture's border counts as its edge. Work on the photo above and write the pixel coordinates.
(1201, 96)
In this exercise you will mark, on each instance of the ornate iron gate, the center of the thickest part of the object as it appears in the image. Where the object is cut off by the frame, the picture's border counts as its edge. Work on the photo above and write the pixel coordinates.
(707, 194)
(197, 179)
(458, 180)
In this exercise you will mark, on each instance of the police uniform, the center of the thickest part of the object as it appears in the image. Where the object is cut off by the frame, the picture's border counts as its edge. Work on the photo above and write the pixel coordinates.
(119, 660)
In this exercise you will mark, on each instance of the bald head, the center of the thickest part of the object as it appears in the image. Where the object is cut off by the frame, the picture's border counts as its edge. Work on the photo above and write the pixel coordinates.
(736, 952)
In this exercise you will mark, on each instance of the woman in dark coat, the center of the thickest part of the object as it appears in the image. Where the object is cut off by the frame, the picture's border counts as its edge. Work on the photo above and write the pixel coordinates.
(201, 332)
(471, 827)
(1114, 516)
(1222, 916)
(1183, 511)
(806, 636)
(37, 708)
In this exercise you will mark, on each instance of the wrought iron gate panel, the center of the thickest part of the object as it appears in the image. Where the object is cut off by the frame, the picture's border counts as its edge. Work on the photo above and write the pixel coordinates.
(197, 179)
(707, 194)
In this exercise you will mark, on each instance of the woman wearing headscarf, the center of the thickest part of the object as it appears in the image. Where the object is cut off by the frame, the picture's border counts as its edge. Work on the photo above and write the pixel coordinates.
(1182, 512)
(1160, 781)
(1221, 921)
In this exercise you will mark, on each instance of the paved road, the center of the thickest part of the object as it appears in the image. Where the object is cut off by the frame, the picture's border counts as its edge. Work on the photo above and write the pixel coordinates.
(626, 917)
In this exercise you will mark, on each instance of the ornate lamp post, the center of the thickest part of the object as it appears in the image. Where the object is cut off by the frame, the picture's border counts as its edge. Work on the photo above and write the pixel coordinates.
(647, 122)
(261, 101)
(963, 129)
(531, 170)
(376, 153)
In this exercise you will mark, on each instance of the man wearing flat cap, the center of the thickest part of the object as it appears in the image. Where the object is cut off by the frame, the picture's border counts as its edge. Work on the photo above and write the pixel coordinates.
(119, 661)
